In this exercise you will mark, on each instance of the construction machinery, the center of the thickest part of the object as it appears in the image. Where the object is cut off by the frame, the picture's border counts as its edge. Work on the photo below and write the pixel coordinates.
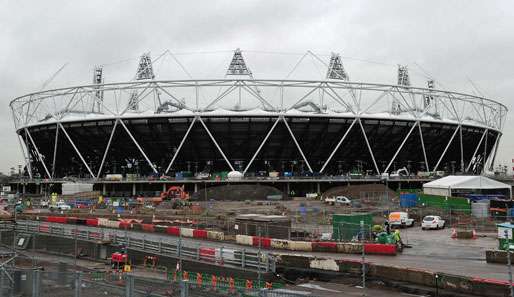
(174, 194)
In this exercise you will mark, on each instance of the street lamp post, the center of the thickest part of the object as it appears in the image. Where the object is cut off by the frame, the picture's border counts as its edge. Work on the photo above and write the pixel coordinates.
(437, 285)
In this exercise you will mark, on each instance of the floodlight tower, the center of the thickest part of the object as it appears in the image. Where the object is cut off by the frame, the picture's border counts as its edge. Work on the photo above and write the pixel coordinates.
(429, 99)
(238, 68)
(98, 79)
(336, 69)
(403, 80)
(144, 72)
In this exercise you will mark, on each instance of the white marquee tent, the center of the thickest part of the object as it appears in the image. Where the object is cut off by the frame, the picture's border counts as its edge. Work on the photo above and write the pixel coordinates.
(473, 183)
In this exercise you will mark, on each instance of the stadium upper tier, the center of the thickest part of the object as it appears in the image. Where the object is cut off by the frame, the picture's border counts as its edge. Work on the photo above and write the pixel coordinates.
(307, 127)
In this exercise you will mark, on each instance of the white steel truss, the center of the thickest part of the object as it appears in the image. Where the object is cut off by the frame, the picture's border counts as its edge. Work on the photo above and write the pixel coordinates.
(216, 143)
(297, 145)
(106, 151)
(38, 153)
(446, 148)
(476, 150)
(369, 147)
(76, 149)
(139, 147)
(261, 144)
(337, 146)
(401, 146)
(181, 144)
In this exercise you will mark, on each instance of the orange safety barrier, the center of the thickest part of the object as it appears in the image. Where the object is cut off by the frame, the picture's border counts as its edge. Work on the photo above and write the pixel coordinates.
(268, 285)
(199, 279)
(214, 281)
(231, 284)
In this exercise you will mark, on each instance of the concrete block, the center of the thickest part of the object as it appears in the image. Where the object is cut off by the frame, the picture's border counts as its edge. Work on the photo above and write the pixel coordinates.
(349, 248)
(304, 246)
(244, 239)
(216, 235)
(186, 232)
(282, 244)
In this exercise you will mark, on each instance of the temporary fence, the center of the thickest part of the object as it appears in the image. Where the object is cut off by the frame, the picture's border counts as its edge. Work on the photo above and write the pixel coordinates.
(37, 283)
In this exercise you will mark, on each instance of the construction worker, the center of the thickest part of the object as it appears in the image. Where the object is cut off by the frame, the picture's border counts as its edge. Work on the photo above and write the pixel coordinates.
(398, 239)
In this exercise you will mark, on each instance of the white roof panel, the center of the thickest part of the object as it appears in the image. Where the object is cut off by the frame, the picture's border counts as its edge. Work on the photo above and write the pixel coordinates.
(466, 182)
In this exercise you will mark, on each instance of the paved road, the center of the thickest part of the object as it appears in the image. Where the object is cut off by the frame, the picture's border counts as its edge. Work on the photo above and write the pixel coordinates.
(431, 250)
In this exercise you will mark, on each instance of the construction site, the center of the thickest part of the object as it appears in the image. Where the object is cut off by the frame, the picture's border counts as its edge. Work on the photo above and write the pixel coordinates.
(240, 186)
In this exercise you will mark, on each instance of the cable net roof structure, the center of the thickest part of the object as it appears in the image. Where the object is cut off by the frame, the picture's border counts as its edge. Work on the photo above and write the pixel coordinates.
(245, 121)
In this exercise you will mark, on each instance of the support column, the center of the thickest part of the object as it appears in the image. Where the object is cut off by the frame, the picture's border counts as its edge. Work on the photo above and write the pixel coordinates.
(104, 191)
(196, 187)
(318, 188)
(134, 189)
(164, 187)
(288, 189)
(23, 189)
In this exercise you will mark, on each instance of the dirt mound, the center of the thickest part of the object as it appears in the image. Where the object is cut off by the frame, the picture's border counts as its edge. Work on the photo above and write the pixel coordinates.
(237, 193)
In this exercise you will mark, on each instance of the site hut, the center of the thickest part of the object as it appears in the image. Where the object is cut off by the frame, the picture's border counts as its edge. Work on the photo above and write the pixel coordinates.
(273, 226)
(466, 186)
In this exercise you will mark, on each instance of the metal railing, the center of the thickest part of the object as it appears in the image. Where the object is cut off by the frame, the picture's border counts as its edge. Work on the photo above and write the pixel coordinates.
(173, 247)
(37, 283)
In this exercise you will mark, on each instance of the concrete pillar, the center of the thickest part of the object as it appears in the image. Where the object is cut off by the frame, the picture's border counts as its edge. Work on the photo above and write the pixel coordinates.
(163, 187)
(134, 189)
(104, 190)
(318, 188)
(196, 187)
(288, 189)
(23, 189)
(399, 185)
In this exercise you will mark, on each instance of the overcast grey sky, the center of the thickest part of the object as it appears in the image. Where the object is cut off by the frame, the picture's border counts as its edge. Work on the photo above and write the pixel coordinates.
(453, 40)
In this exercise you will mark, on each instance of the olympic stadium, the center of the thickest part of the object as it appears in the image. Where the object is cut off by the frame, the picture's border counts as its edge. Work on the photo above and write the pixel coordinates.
(243, 121)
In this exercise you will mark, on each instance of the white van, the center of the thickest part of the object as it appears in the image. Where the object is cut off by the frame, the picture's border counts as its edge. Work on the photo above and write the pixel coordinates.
(343, 200)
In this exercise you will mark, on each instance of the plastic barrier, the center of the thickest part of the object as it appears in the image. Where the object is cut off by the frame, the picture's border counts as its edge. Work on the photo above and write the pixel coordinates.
(324, 246)
(173, 231)
(265, 242)
(61, 220)
(199, 233)
(349, 248)
(102, 222)
(244, 239)
(186, 232)
(208, 254)
(215, 235)
(92, 222)
(112, 224)
(304, 246)
(380, 249)
(148, 227)
(280, 244)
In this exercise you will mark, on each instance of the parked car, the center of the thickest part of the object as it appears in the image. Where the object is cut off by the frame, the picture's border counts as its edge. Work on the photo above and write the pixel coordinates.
(400, 219)
(343, 200)
(432, 222)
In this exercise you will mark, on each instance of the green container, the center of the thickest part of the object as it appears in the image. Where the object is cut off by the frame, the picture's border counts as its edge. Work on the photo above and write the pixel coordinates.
(448, 203)
(347, 226)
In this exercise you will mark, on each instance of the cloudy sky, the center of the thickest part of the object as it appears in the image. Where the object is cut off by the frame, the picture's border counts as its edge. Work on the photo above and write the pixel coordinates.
(454, 41)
